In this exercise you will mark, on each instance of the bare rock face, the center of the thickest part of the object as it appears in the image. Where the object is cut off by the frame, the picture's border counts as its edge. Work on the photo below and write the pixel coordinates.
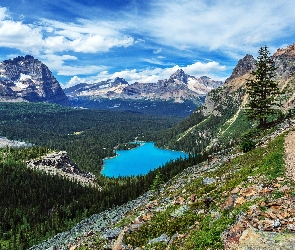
(289, 51)
(285, 62)
(28, 79)
(244, 66)
(59, 163)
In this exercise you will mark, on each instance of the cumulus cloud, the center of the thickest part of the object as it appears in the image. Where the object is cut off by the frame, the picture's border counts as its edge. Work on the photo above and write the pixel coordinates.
(3, 12)
(53, 36)
(16, 35)
(149, 75)
(74, 81)
(203, 68)
(58, 64)
(83, 36)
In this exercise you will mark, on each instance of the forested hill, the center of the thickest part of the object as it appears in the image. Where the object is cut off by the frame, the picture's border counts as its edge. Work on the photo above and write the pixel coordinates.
(40, 205)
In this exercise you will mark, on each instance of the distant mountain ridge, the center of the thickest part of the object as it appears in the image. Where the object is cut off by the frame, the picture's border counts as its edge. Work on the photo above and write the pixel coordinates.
(28, 79)
(178, 88)
(178, 96)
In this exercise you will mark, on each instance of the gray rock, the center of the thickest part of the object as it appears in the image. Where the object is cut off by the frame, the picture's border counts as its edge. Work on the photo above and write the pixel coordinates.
(208, 181)
(180, 211)
(163, 238)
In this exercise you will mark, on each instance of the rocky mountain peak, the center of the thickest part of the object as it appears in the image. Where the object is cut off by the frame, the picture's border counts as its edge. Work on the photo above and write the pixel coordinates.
(244, 65)
(119, 80)
(25, 78)
(179, 75)
(289, 51)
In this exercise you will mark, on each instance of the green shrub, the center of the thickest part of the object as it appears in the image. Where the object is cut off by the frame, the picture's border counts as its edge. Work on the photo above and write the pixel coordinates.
(247, 145)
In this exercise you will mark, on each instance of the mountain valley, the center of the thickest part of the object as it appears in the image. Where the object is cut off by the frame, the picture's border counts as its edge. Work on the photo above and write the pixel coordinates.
(235, 190)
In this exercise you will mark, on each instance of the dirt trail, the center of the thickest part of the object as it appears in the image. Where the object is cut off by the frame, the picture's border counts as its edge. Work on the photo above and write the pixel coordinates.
(290, 155)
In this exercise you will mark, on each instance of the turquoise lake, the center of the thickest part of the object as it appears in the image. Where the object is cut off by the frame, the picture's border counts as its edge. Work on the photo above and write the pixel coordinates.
(139, 160)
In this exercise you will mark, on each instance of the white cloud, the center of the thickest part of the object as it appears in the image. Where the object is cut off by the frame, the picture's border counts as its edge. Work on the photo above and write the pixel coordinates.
(17, 35)
(154, 61)
(233, 24)
(79, 70)
(84, 36)
(203, 68)
(53, 36)
(3, 13)
(153, 75)
(57, 63)
(157, 51)
(74, 81)
(97, 43)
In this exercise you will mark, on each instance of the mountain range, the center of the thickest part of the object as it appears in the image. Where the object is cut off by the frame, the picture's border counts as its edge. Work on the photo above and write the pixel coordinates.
(178, 88)
(25, 78)
(178, 95)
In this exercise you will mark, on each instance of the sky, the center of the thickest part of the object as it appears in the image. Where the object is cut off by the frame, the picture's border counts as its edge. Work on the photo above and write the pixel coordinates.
(142, 40)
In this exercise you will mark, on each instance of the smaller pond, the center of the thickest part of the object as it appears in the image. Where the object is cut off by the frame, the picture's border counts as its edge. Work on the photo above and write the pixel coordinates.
(139, 160)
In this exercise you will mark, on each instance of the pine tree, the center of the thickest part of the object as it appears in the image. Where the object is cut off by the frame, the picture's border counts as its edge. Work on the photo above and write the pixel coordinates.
(262, 89)
(157, 182)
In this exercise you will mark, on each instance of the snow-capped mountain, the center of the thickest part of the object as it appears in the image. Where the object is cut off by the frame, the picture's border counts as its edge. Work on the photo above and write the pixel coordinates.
(178, 88)
(102, 89)
(28, 79)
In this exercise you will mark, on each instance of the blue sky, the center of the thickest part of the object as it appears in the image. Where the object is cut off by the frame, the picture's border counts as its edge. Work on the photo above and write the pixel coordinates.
(144, 41)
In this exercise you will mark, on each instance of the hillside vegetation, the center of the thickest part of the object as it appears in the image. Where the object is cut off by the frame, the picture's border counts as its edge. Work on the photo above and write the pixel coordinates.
(234, 200)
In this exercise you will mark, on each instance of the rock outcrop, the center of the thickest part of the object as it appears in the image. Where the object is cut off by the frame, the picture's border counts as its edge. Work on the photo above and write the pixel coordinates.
(28, 79)
(59, 163)
(244, 66)
(284, 62)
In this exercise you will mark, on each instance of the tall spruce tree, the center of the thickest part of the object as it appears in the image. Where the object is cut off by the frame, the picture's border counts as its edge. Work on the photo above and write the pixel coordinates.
(262, 89)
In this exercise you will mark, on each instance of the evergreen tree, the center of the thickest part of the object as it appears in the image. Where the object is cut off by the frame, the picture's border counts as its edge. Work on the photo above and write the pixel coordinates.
(262, 89)
(157, 182)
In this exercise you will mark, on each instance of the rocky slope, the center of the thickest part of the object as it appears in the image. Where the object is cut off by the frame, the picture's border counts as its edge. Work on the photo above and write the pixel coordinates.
(28, 79)
(233, 201)
(59, 163)
(4, 142)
